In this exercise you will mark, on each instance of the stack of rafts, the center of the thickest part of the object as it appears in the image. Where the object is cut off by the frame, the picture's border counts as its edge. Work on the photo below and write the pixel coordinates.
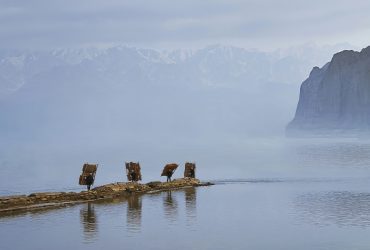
(88, 175)
(189, 171)
(133, 171)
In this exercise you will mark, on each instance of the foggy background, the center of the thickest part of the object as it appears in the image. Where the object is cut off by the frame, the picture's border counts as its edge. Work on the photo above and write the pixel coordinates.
(214, 82)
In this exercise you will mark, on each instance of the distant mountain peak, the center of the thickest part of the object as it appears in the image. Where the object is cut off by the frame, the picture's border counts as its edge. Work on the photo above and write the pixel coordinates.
(337, 96)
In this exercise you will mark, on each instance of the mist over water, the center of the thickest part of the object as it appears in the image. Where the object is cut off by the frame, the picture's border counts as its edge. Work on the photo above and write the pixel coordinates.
(223, 107)
(33, 169)
(271, 192)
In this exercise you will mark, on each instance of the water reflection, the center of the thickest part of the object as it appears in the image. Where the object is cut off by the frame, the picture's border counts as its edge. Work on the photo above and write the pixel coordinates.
(134, 209)
(170, 206)
(341, 208)
(191, 202)
(89, 221)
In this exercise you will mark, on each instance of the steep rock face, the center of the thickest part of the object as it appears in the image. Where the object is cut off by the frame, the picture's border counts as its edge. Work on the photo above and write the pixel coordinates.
(336, 96)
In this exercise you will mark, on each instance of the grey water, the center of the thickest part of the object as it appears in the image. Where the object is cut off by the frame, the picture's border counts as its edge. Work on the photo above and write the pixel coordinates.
(269, 194)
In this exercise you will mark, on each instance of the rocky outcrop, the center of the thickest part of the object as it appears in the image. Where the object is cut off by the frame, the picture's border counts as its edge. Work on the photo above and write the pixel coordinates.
(109, 191)
(336, 96)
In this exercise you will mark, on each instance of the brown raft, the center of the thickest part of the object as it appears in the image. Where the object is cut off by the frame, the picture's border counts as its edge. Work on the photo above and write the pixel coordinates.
(168, 170)
(87, 170)
(133, 171)
(189, 171)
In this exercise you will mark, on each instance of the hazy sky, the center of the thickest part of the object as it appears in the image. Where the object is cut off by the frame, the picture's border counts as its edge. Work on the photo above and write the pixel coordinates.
(266, 24)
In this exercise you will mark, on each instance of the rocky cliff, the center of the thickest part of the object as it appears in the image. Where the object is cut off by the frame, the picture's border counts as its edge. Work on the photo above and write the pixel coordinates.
(336, 96)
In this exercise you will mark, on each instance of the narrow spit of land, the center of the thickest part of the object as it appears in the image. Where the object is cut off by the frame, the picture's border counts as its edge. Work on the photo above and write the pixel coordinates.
(47, 200)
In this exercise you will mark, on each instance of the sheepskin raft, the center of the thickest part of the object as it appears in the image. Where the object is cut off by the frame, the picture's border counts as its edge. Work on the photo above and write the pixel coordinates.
(87, 169)
(133, 171)
(169, 169)
(189, 171)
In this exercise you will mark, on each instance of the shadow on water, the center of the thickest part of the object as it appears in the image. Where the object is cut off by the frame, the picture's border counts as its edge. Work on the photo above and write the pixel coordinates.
(134, 210)
(340, 208)
(89, 221)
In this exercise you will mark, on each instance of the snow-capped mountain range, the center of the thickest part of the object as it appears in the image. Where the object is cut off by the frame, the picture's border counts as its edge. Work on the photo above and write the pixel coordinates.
(216, 65)
(129, 94)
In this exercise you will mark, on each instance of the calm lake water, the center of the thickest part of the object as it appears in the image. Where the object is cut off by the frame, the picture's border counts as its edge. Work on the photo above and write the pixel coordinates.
(291, 194)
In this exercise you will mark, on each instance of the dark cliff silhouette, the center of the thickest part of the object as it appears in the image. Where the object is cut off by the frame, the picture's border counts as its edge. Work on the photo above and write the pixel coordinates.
(336, 96)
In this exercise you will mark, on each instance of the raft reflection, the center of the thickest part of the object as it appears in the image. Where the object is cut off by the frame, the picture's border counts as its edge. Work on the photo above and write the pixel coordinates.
(89, 221)
(191, 202)
(134, 209)
(170, 206)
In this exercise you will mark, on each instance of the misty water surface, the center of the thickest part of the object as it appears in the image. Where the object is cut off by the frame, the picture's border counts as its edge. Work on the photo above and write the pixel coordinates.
(29, 168)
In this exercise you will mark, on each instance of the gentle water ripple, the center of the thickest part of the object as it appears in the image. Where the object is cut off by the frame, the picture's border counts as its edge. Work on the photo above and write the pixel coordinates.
(341, 208)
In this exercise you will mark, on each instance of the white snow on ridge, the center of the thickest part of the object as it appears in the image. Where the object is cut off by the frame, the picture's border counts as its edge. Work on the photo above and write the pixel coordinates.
(17, 61)
(215, 65)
